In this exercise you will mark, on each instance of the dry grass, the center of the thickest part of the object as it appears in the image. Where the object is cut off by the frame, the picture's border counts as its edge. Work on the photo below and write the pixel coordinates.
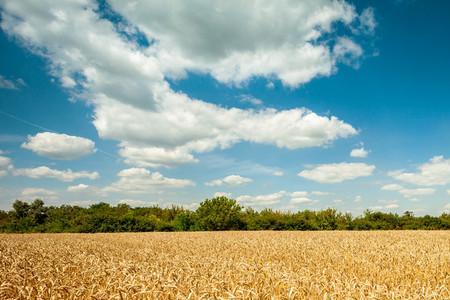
(239, 265)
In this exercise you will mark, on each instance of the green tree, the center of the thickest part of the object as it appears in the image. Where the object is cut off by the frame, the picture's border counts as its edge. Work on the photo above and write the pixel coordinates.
(185, 221)
(37, 212)
(21, 209)
(219, 213)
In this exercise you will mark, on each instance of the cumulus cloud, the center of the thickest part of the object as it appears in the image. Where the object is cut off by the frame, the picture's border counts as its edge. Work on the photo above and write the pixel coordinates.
(408, 193)
(337, 172)
(38, 193)
(359, 152)
(252, 41)
(391, 187)
(389, 206)
(261, 200)
(4, 162)
(59, 146)
(250, 100)
(136, 203)
(140, 180)
(368, 22)
(278, 173)
(447, 208)
(222, 194)
(413, 193)
(434, 172)
(86, 190)
(319, 193)
(62, 175)
(186, 126)
(126, 83)
(232, 180)
(347, 51)
(11, 84)
(5, 165)
(155, 157)
(302, 200)
(293, 198)
(78, 188)
(299, 194)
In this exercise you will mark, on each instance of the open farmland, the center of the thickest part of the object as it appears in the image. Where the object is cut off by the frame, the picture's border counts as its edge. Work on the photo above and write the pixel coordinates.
(257, 265)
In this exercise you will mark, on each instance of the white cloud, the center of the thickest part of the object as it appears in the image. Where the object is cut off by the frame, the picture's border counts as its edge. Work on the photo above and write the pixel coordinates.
(191, 206)
(78, 188)
(222, 194)
(232, 180)
(252, 41)
(387, 207)
(140, 180)
(134, 104)
(59, 146)
(155, 157)
(358, 199)
(319, 193)
(5, 162)
(302, 200)
(5, 165)
(413, 193)
(367, 21)
(293, 198)
(391, 187)
(261, 200)
(136, 203)
(86, 190)
(391, 206)
(434, 172)
(359, 152)
(38, 193)
(10, 84)
(299, 194)
(278, 173)
(448, 192)
(250, 100)
(408, 193)
(62, 175)
(347, 51)
(194, 126)
(337, 172)
(447, 208)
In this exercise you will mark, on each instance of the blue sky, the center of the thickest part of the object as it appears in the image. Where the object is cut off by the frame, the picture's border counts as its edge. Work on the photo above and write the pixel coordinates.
(149, 104)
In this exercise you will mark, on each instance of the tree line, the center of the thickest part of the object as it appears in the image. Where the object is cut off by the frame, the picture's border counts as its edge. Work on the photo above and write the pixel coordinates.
(219, 213)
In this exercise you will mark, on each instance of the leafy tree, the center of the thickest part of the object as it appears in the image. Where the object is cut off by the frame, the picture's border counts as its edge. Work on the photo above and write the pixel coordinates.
(37, 212)
(21, 209)
(185, 221)
(219, 213)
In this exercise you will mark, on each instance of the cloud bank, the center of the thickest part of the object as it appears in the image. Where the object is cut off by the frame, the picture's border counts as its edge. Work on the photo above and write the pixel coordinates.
(125, 80)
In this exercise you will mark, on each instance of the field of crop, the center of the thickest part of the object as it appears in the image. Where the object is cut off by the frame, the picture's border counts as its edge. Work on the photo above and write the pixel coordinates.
(237, 265)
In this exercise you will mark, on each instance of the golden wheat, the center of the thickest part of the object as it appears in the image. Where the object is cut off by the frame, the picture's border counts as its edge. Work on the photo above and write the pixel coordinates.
(230, 265)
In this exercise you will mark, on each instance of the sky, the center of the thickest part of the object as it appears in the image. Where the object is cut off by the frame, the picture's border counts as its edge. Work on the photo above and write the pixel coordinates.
(295, 105)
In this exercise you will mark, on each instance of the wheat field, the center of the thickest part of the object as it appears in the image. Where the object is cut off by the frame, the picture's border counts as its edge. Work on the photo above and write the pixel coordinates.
(226, 265)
